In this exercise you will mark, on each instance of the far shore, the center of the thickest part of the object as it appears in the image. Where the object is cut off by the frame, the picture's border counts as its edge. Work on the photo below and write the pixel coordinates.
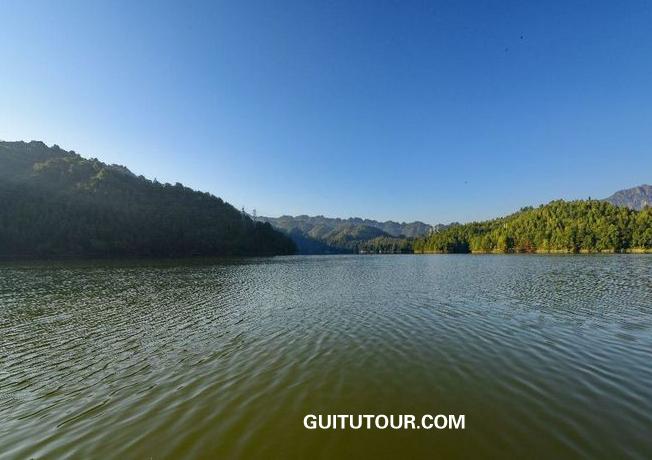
(550, 251)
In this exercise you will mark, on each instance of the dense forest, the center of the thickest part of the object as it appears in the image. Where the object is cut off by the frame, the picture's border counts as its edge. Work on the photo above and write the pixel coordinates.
(560, 226)
(386, 245)
(56, 203)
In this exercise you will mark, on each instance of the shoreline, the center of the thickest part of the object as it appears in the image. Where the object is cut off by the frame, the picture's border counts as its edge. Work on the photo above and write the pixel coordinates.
(548, 251)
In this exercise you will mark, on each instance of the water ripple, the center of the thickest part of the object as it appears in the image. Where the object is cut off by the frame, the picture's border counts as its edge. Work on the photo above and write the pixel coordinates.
(544, 354)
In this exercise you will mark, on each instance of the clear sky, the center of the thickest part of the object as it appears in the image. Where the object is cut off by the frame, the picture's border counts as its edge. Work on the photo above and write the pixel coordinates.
(404, 110)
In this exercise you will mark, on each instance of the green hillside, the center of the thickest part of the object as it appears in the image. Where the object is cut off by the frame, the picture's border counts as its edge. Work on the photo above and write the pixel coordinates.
(560, 226)
(56, 203)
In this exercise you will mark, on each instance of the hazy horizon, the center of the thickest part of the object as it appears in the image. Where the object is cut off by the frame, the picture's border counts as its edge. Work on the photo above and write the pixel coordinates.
(436, 113)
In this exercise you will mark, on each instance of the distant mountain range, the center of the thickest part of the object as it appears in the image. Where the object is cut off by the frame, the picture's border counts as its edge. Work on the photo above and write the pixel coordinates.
(327, 235)
(308, 223)
(634, 198)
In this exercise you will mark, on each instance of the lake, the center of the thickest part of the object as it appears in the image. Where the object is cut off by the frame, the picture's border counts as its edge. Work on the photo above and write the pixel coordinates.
(546, 356)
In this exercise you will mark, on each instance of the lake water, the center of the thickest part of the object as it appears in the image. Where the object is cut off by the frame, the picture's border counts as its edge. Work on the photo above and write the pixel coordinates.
(547, 356)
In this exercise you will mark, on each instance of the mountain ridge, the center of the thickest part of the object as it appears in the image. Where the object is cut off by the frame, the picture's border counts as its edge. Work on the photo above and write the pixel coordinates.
(633, 198)
(393, 228)
(56, 203)
(335, 235)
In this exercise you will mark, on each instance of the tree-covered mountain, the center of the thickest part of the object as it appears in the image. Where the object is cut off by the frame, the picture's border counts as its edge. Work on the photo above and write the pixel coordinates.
(56, 203)
(633, 198)
(325, 235)
(559, 226)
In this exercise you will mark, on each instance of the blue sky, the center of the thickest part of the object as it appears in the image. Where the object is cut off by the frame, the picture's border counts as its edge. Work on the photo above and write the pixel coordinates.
(403, 110)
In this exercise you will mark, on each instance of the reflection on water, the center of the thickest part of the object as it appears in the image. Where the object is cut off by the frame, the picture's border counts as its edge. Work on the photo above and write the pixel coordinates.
(548, 356)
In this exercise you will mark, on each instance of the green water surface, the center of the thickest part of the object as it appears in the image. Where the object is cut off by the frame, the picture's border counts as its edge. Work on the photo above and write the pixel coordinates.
(547, 356)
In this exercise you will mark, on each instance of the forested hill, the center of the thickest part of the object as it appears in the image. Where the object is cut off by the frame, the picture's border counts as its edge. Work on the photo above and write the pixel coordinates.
(633, 198)
(325, 235)
(560, 226)
(56, 203)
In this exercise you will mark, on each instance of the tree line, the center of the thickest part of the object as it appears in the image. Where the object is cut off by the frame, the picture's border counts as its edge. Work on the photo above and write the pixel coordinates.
(559, 226)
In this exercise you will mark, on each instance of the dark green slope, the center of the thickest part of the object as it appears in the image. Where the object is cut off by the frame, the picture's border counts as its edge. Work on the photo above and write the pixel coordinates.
(56, 203)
